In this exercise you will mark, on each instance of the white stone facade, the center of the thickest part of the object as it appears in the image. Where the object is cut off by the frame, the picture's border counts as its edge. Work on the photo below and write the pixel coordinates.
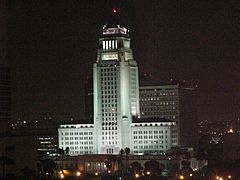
(79, 138)
(116, 103)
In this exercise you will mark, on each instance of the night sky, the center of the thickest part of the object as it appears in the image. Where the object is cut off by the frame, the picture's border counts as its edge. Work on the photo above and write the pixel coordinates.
(51, 46)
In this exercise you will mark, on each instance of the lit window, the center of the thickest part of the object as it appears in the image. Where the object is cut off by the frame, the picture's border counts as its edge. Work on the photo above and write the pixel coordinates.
(104, 45)
(110, 44)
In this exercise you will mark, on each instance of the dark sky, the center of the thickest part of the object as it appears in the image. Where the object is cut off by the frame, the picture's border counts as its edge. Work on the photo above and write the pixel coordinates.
(52, 45)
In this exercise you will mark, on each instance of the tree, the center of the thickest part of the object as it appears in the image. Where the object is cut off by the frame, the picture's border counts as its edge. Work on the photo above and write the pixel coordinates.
(119, 161)
(108, 164)
(186, 169)
(28, 173)
(153, 167)
(48, 167)
(121, 152)
(127, 152)
(61, 152)
(67, 150)
(135, 168)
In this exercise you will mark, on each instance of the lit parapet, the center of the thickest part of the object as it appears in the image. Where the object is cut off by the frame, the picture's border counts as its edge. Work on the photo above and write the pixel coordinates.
(76, 126)
(114, 30)
(154, 124)
(109, 56)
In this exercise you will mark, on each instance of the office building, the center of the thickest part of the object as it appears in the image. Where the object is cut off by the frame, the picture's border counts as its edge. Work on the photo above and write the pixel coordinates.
(117, 123)
(173, 102)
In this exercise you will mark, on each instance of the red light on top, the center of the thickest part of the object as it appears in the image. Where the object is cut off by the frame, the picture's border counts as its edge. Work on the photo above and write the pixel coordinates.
(114, 11)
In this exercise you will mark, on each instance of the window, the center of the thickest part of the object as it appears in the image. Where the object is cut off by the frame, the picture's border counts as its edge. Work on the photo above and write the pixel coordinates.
(104, 45)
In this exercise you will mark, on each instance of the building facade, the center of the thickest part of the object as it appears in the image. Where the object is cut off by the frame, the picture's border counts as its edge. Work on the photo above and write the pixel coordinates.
(176, 103)
(115, 86)
(117, 123)
(79, 138)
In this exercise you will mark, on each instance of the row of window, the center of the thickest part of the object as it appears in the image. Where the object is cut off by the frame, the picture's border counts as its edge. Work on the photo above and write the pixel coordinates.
(160, 101)
(150, 132)
(162, 114)
(110, 96)
(109, 138)
(150, 142)
(110, 114)
(110, 44)
(78, 138)
(109, 78)
(150, 147)
(81, 152)
(160, 110)
(109, 143)
(109, 128)
(76, 143)
(108, 69)
(76, 133)
(109, 132)
(143, 93)
(112, 99)
(107, 65)
(108, 84)
(109, 151)
(150, 137)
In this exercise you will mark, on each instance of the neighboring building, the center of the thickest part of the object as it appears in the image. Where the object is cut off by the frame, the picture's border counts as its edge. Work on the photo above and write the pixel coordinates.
(17, 153)
(88, 101)
(44, 133)
(173, 102)
(116, 106)
(231, 147)
(5, 100)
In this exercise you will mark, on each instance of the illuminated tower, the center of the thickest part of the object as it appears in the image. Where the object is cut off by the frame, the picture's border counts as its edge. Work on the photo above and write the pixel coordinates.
(115, 89)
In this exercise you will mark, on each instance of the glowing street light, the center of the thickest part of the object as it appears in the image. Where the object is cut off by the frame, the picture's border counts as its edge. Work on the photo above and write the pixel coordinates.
(61, 176)
(78, 173)
(137, 175)
(181, 177)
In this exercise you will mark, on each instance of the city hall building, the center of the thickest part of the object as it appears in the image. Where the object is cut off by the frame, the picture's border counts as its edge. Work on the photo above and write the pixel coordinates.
(117, 119)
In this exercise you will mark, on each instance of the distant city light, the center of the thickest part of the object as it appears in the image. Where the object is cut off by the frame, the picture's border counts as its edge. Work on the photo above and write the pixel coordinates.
(230, 131)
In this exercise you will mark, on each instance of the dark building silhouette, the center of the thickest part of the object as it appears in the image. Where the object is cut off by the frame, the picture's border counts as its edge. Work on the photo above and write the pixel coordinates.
(88, 99)
(5, 100)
